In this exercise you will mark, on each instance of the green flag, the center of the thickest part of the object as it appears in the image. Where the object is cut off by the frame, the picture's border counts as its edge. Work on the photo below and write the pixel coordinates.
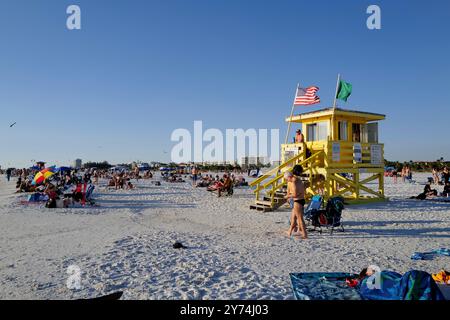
(344, 90)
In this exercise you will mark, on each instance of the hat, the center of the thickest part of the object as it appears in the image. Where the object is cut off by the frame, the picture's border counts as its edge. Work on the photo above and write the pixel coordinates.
(288, 174)
(178, 245)
(298, 130)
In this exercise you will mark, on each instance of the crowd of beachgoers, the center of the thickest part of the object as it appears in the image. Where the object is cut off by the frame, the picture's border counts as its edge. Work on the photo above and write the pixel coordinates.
(64, 187)
(440, 178)
(218, 184)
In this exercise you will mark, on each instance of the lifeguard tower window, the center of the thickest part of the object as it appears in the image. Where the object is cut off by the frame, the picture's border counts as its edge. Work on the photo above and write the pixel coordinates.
(342, 130)
(370, 132)
(317, 131)
(356, 132)
(365, 133)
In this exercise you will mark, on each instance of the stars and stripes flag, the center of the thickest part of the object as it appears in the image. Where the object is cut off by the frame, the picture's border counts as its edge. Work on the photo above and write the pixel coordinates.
(306, 96)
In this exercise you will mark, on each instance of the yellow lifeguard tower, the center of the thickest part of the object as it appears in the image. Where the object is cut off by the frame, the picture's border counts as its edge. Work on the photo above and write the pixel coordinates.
(340, 156)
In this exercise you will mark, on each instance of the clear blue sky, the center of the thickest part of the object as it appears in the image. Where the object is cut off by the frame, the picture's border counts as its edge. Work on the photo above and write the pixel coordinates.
(137, 70)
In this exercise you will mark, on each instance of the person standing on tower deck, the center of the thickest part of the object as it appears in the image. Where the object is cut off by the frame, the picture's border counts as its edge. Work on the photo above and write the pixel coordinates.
(299, 138)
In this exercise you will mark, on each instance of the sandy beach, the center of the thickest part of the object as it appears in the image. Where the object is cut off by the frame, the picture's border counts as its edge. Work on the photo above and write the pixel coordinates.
(125, 243)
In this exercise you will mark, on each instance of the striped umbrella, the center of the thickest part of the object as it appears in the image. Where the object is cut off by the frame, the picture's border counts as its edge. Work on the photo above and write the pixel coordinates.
(43, 175)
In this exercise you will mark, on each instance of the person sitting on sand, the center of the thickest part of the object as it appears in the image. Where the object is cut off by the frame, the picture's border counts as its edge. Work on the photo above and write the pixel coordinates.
(19, 182)
(52, 194)
(226, 185)
(119, 181)
(77, 194)
(446, 192)
(111, 182)
(129, 185)
(296, 192)
(445, 175)
(427, 192)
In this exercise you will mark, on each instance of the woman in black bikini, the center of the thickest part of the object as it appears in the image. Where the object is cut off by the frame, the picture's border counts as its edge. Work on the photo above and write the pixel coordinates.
(296, 192)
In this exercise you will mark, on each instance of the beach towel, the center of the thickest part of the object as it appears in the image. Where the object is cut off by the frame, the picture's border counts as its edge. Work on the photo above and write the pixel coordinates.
(413, 285)
(37, 197)
(431, 254)
(439, 199)
(323, 286)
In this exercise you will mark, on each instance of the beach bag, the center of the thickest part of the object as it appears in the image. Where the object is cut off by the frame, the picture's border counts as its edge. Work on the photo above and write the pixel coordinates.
(413, 285)
(51, 203)
(35, 197)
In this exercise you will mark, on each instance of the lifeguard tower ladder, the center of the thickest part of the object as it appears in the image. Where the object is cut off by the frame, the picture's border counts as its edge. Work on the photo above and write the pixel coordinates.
(341, 156)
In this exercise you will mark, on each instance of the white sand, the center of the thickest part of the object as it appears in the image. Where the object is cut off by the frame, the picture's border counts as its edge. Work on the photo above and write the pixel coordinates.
(234, 253)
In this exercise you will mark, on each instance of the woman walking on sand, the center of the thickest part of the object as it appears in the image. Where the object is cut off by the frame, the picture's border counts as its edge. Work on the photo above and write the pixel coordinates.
(296, 192)
(435, 175)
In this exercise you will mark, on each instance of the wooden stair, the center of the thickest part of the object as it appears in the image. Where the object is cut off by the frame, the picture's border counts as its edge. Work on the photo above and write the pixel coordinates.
(270, 188)
(267, 205)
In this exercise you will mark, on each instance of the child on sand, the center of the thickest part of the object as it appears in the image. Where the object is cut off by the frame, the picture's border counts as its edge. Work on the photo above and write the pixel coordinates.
(129, 184)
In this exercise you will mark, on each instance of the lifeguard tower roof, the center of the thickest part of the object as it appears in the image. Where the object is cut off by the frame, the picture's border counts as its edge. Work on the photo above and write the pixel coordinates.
(328, 112)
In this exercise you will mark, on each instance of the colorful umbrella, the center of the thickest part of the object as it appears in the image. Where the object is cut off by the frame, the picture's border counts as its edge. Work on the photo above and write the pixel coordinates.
(43, 175)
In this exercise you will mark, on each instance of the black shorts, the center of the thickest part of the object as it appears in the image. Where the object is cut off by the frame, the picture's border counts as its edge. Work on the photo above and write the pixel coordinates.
(301, 201)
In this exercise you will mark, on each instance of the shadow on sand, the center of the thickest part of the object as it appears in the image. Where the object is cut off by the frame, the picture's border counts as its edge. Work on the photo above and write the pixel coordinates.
(402, 205)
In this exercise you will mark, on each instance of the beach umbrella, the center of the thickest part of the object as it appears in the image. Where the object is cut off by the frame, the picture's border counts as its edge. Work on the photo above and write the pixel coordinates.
(43, 175)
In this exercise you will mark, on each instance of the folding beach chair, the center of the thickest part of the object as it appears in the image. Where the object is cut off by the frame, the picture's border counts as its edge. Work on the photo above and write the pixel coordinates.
(89, 193)
(313, 206)
(329, 217)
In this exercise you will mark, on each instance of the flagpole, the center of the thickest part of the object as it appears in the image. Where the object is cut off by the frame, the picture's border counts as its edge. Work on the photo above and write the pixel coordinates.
(290, 118)
(334, 105)
(336, 92)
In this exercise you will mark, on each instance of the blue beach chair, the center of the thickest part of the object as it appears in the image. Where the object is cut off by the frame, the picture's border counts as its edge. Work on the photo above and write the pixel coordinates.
(313, 207)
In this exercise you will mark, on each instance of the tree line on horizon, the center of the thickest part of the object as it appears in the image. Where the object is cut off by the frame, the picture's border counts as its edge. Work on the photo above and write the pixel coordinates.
(105, 165)
(439, 164)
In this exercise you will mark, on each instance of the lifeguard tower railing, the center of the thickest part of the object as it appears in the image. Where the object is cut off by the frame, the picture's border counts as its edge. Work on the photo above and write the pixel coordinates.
(352, 170)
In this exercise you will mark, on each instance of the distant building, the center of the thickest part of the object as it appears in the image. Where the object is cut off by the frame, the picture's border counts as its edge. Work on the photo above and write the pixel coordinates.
(252, 160)
(276, 163)
(77, 163)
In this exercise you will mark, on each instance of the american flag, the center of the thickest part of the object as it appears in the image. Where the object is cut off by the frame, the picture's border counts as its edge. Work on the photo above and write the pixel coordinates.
(306, 96)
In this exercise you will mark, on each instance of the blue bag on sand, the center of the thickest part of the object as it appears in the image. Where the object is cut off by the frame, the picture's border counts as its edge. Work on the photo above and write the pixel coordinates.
(413, 285)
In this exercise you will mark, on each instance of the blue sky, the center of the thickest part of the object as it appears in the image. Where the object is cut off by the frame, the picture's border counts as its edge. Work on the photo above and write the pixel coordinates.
(137, 70)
